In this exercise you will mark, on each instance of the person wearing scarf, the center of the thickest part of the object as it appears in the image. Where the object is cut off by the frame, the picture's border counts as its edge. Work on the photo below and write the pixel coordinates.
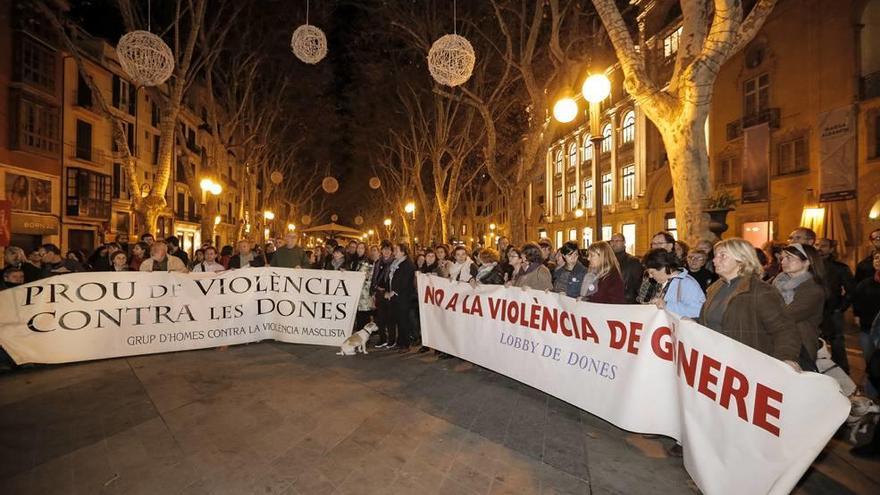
(464, 269)
(430, 265)
(490, 272)
(529, 269)
(402, 294)
(804, 297)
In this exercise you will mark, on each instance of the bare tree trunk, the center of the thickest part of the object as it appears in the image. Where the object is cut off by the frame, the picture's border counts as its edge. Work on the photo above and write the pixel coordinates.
(685, 144)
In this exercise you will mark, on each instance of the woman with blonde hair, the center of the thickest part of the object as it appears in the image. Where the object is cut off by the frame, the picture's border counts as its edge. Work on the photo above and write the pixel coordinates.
(603, 282)
(743, 307)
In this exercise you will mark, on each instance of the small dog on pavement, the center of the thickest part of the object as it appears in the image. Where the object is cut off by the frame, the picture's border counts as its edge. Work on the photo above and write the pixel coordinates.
(357, 341)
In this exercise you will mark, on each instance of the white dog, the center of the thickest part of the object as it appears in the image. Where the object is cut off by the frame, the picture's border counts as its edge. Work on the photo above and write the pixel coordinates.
(357, 341)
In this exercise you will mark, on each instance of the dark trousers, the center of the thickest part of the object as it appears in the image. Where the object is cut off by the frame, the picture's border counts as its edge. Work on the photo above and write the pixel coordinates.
(832, 332)
(384, 319)
(402, 310)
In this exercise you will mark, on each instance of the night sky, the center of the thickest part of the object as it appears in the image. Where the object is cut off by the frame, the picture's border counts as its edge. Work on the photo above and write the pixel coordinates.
(337, 104)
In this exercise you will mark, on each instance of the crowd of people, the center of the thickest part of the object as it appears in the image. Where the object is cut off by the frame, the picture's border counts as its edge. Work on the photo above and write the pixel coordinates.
(786, 300)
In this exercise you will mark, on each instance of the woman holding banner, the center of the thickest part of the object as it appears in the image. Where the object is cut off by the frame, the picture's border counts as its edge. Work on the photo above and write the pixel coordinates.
(679, 292)
(746, 309)
(603, 282)
(529, 269)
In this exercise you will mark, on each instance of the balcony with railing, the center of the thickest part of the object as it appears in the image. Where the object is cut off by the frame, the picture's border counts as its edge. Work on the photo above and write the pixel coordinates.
(769, 115)
(185, 216)
(92, 155)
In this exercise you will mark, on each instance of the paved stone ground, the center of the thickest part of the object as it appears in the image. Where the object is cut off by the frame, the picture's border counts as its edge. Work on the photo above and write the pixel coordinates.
(275, 418)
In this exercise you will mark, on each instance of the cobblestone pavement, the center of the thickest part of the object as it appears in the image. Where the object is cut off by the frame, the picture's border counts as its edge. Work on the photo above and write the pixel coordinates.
(275, 418)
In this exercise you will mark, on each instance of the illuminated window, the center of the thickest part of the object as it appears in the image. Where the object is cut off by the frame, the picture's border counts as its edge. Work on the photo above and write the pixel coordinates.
(572, 155)
(573, 235)
(587, 236)
(587, 153)
(557, 203)
(572, 197)
(588, 193)
(627, 182)
(628, 130)
(756, 95)
(607, 194)
(671, 42)
(606, 138)
(557, 166)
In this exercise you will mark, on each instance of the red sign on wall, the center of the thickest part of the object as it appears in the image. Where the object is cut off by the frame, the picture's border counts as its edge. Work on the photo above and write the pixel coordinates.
(5, 222)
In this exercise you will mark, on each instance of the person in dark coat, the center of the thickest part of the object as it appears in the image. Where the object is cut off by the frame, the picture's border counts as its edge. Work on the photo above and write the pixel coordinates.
(800, 285)
(696, 265)
(747, 309)
(174, 250)
(865, 268)
(840, 287)
(570, 273)
(866, 305)
(630, 268)
(490, 271)
(402, 294)
(245, 257)
(15, 258)
(379, 287)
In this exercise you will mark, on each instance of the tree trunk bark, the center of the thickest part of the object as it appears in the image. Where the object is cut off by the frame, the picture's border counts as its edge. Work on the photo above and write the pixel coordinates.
(444, 224)
(517, 215)
(685, 142)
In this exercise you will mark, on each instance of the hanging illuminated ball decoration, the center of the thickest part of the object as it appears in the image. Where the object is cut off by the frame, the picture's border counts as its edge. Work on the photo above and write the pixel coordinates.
(375, 183)
(145, 58)
(451, 60)
(330, 185)
(309, 44)
(276, 177)
(334, 217)
(358, 220)
(306, 219)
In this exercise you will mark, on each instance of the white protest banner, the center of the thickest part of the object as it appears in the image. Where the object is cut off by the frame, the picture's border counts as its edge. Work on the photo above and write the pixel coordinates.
(83, 316)
(748, 422)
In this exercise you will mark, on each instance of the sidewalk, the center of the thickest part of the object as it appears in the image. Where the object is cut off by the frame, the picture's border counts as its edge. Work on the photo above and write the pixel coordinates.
(277, 418)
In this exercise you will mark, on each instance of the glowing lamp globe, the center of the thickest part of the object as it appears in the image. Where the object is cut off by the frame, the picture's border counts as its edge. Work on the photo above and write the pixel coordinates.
(206, 184)
(565, 110)
(375, 183)
(451, 60)
(578, 213)
(410, 207)
(145, 58)
(216, 189)
(309, 44)
(596, 88)
(330, 185)
(291, 226)
(387, 222)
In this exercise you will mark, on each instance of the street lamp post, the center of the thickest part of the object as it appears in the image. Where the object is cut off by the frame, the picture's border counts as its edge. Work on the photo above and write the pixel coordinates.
(387, 224)
(595, 89)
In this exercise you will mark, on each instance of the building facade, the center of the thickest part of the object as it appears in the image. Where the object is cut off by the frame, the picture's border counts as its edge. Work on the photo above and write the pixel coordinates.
(61, 170)
(809, 65)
